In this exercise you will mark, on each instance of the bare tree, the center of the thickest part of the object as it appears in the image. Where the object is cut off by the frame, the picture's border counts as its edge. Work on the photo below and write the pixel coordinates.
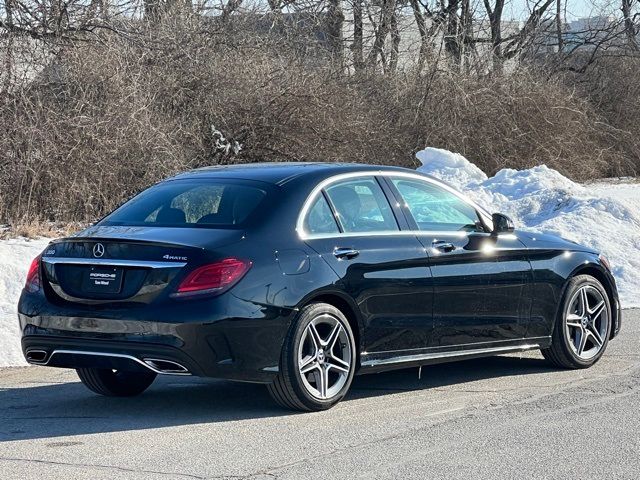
(357, 46)
(510, 46)
(395, 43)
(494, 13)
(229, 8)
(335, 25)
(559, 26)
(8, 54)
(387, 11)
(631, 29)
(425, 33)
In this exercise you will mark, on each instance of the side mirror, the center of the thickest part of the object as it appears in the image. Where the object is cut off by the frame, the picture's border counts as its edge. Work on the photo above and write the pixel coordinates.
(502, 223)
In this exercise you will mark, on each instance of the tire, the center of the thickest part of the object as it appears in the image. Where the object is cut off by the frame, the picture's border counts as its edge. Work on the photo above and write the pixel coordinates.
(329, 368)
(564, 351)
(115, 383)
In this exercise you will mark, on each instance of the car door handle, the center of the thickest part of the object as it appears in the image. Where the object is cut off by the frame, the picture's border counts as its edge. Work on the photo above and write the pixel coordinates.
(345, 252)
(443, 246)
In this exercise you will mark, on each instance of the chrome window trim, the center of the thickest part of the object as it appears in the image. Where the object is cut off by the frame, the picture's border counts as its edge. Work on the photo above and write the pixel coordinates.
(432, 233)
(380, 173)
(324, 192)
(330, 206)
(112, 262)
(390, 233)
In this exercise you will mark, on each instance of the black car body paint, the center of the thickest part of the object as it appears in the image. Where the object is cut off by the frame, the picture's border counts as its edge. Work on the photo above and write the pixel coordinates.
(410, 302)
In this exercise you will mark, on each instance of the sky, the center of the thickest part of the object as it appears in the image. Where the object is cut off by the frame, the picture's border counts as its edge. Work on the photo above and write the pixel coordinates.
(514, 9)
(519, 9)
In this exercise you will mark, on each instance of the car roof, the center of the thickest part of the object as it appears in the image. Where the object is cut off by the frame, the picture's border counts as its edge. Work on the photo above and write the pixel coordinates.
(282, 172)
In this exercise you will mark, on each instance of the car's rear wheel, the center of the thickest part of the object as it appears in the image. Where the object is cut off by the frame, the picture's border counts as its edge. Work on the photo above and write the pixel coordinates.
(115, 383)
(583, 326)
(318, 360)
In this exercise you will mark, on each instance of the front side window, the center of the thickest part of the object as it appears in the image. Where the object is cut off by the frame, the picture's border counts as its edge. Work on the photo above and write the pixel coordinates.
(361, 206)
(189, 203)
(434, 208)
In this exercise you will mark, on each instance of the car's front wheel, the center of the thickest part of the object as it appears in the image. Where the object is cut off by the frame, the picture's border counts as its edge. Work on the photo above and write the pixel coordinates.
(583, 326)
(115, 383)
(318, 360)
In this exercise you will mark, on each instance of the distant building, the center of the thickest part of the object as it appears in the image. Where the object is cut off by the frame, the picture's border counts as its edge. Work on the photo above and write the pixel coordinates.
(588, 33)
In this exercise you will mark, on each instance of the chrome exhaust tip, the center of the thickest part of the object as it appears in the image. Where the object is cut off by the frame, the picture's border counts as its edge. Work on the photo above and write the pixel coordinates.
(167, 367)
(158, 365)
(36, 356)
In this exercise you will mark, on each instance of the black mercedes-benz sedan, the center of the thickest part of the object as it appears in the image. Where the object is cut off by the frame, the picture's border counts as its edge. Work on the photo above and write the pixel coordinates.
(299, 276)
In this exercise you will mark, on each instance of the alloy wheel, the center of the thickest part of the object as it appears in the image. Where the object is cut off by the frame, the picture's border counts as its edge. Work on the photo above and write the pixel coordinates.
(587, 322)
(324, 357)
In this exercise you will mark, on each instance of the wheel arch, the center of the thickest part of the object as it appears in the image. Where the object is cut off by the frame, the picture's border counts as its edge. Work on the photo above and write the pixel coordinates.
(597, 271)
(348, 307)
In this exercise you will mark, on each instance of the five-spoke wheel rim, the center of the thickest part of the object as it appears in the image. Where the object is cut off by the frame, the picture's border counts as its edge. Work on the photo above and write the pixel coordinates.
(324, 357)
(587, 322)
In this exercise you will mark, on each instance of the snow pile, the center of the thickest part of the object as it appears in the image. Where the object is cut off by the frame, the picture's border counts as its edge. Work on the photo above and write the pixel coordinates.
(451, 167)
(541, 199)
(624, 190)
(15, 258)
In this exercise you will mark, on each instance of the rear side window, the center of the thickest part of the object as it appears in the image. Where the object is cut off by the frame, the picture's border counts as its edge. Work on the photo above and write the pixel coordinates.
(320, 218)
(189, 204)
(361, 206)
(434, 208)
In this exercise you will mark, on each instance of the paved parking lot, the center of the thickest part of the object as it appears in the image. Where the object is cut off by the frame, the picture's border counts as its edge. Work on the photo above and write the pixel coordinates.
(503, 417)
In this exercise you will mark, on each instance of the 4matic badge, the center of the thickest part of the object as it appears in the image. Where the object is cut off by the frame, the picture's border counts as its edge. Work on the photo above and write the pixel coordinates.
(174, 257)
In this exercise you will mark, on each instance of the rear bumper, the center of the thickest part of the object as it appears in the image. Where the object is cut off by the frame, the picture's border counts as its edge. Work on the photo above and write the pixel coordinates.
(210, 355)
(130, 356)
(243, 348)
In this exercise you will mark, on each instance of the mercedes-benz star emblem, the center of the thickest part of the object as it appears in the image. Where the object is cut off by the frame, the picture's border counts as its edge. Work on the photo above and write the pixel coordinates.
(98, 250)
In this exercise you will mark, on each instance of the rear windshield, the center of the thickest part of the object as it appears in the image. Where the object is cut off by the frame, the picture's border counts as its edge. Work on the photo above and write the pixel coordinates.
(182, 203)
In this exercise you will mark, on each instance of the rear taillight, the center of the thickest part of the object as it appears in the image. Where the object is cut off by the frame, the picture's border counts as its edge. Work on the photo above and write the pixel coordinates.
(33, 276)
(213, 278)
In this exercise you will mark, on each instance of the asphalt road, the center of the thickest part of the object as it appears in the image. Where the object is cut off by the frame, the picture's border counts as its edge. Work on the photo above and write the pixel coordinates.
(503, 417)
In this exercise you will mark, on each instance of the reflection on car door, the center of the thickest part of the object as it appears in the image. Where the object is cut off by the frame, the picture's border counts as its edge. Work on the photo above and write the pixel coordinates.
(353, 227)
(482, 281)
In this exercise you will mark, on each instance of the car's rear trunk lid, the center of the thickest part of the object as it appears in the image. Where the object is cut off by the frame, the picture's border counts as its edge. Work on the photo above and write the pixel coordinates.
(126, 264)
